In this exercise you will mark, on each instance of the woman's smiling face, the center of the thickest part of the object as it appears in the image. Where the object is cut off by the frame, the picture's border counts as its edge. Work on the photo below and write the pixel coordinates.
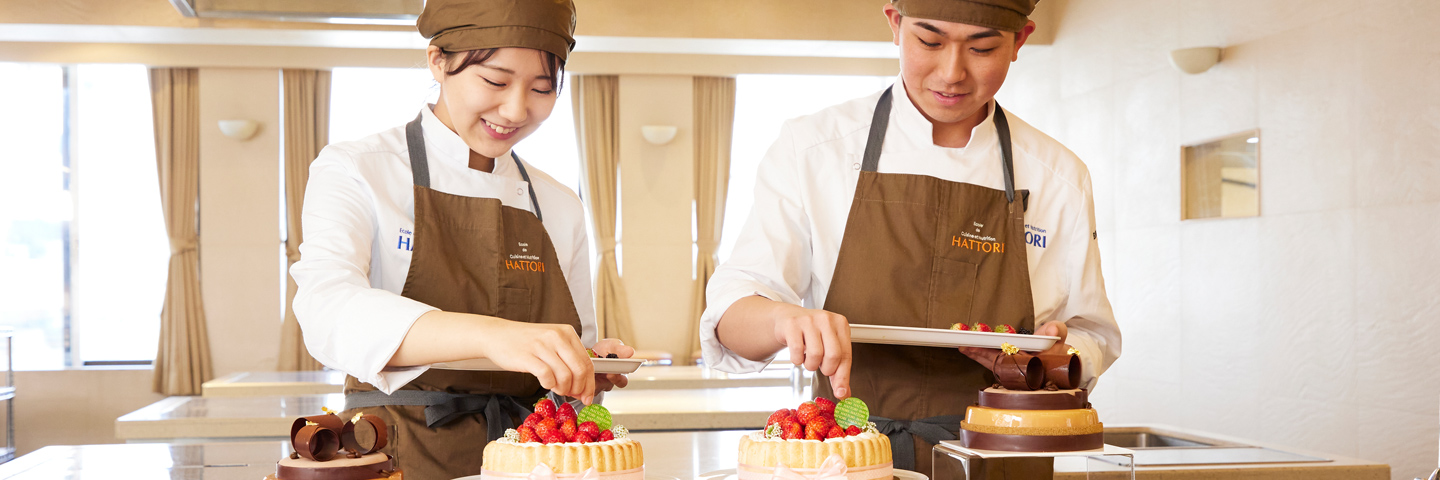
(495, 102)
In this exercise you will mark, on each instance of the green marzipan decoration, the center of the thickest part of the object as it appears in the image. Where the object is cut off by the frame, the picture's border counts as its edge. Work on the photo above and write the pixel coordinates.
(595, 413)
(852, 411)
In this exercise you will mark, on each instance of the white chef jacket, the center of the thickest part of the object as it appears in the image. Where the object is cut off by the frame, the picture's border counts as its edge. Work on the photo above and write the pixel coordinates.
(787, 248)
(359, 223)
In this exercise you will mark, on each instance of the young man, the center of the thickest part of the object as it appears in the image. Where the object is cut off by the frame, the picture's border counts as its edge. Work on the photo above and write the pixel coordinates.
(922, 206)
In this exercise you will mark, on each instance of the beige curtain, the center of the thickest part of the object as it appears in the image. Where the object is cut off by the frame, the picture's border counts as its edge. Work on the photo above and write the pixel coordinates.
(307, 128)
(182, 362)
(597, 130)
(714, 119)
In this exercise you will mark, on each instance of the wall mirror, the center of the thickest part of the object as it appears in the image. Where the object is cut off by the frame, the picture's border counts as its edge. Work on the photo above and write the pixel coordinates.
(1221, 178)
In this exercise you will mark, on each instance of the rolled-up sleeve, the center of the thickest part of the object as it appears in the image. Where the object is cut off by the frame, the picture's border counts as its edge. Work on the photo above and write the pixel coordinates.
(348, 324)
(770, 257)
(1087, 313)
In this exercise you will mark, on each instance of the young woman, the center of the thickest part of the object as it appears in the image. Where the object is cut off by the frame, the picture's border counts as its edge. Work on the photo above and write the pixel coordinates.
(434, 241)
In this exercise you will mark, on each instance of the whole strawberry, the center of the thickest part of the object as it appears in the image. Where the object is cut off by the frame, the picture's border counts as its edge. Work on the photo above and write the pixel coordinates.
(568, 429)
(533, 419)
(835, 432)
(980, 327)
(545, 408)
(827, 407)
(589, 428)
(812, 433)
(605, 436)
(780, 415)
(554, 437)
(583, 437)
(792, 431)
(546, 428)
(852, 430)
(959, 326)
(808, 411)
(1004, 329)
(821, 426)
(564, 412)
(527, 434)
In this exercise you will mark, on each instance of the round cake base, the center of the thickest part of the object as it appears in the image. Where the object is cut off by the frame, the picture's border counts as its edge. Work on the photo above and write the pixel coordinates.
(1031, 443)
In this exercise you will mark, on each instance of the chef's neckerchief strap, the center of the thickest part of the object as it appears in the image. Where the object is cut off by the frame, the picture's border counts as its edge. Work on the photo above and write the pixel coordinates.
(880, 122)
(420, 165)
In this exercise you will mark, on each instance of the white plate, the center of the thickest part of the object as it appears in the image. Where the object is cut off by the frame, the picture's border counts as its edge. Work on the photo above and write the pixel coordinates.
(934, 337)
(602, 365)
(729, 474)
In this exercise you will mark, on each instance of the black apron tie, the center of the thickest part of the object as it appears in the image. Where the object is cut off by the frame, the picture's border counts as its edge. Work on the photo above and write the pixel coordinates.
(902, 447)
(441, 408)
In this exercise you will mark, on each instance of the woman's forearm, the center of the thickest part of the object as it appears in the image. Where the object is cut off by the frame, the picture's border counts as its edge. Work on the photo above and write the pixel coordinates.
(748, 328)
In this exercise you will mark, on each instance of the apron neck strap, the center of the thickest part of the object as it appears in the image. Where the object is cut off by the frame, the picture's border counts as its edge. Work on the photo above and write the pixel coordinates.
(880, 123)
(420, 165)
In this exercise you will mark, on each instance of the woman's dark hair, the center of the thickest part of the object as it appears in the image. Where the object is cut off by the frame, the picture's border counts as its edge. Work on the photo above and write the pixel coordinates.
(554, 66)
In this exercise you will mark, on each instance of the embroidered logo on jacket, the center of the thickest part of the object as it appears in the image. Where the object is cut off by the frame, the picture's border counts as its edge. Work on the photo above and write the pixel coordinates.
(404, 242)
(1035, 236)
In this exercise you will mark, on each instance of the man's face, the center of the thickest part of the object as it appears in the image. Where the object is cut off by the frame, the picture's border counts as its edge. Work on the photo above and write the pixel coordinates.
(952, 70)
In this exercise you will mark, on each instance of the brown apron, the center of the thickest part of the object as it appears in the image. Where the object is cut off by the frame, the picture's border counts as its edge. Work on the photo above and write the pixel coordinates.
(471, 255)
(924, 252)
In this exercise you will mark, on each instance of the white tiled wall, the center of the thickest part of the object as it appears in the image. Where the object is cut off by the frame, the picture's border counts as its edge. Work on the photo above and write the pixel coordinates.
(1315, 324)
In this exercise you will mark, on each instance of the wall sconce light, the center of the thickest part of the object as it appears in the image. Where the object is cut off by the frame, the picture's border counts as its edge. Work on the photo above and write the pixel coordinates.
(1195, 60)
(659, 134)
(239, 129)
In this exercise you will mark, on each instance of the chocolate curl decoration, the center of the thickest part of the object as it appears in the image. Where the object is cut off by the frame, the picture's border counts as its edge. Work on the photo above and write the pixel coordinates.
(347, 436)
(1019, 371)
(316, 437)
(1062, 370)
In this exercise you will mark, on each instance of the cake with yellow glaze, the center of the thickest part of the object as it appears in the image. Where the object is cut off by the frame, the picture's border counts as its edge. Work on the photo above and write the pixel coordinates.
(1032, 421)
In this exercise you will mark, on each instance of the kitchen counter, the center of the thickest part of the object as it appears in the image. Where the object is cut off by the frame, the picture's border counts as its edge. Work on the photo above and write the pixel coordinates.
(668, 455)
(212, 419)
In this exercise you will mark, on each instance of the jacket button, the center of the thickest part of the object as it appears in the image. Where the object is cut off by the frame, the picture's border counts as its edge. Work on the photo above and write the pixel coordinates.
(519, 191)
(855, 167)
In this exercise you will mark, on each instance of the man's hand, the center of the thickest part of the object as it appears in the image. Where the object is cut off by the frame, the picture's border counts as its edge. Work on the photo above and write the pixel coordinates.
(605, 382)
(819, 341)
(987, 356)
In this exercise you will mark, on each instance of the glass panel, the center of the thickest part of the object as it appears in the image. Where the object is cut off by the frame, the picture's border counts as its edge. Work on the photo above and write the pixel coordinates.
(1222, 178)
(123, 250)
(762, 104)
(36, 212)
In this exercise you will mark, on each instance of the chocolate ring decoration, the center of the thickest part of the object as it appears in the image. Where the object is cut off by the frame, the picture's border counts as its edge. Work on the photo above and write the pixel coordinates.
(1019, 371)
(1063, 370)
(315, 442)
(347, 436)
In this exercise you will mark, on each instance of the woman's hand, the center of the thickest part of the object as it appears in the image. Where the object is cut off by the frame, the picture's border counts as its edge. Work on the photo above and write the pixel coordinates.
(605, 382)
(987, 356)
(551, 352)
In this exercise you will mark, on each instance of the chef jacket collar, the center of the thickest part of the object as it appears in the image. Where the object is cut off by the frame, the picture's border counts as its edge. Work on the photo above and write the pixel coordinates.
(917, 134)
(444, 145)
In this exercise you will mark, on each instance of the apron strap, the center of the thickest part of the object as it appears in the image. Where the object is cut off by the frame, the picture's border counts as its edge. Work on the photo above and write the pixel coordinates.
(880, 122)
(902, 447)
(534, 203)
(420, 165)
(441, 408)
(415, 143)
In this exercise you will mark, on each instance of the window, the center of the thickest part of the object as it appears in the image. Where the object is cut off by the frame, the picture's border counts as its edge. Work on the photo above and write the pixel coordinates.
(85, 253)
(762, 104)
(365, 101)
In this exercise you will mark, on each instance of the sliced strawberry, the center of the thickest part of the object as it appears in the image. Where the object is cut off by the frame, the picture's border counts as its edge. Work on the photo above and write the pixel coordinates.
(808, 411)
(527, 434)
(590, 428)
(564, 412)
(568, 429)
(835, 432)
(554, 437)
(852, 430)
(545, 408)
(605, 436)
(980, 327)
(827, 407)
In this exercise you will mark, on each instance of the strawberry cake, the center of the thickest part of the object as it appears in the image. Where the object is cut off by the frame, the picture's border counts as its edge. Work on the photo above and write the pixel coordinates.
(818, 437)
(556, 442)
